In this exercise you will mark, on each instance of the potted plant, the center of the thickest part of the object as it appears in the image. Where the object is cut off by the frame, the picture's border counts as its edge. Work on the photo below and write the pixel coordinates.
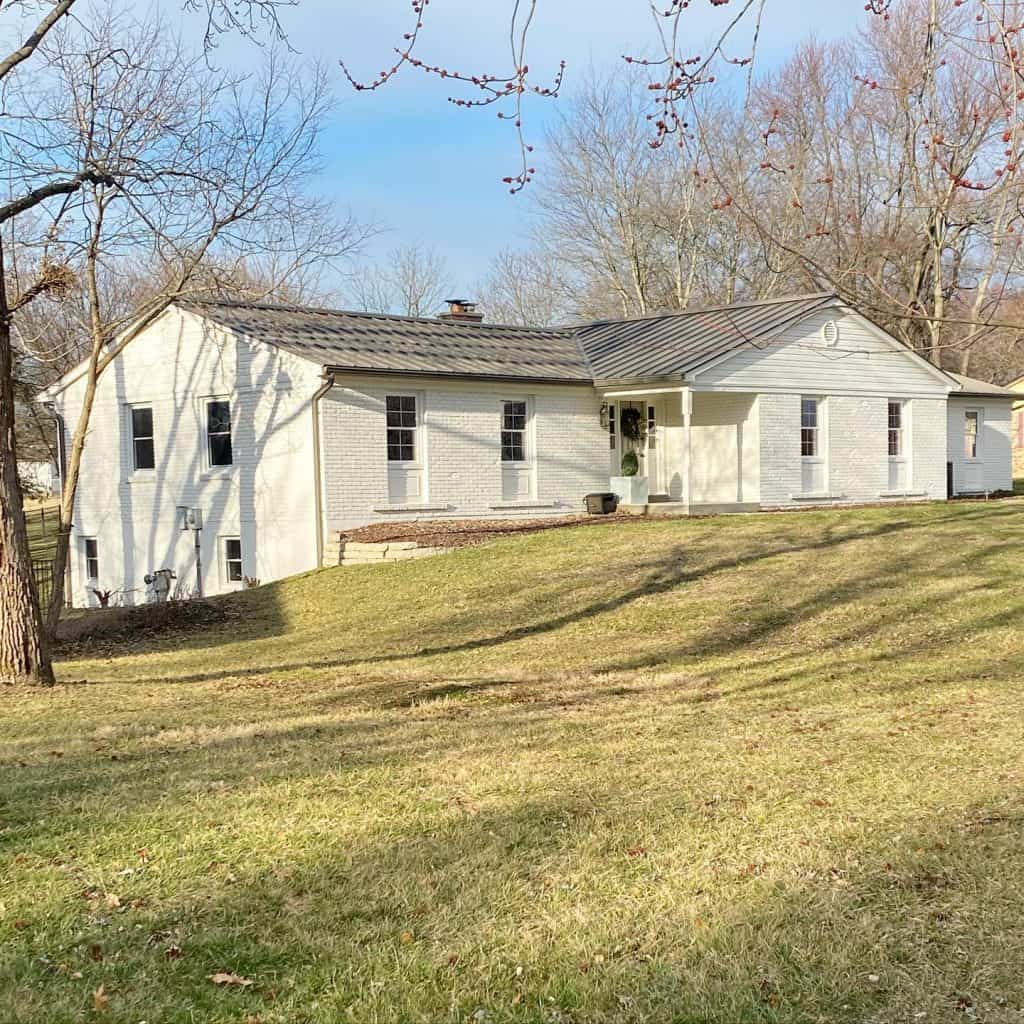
(631, 487)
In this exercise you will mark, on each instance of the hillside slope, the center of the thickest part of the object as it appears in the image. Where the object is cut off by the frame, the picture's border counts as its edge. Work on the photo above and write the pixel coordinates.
(742, 769)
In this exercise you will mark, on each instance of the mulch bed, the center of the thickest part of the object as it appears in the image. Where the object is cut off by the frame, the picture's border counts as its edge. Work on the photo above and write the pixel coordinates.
(145, 622)
(464, 533)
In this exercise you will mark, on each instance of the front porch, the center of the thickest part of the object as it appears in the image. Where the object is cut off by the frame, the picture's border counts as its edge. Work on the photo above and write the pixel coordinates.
(697, 451)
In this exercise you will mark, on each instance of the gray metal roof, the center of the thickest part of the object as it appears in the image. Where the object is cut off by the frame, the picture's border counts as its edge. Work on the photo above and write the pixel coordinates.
(663, 345)
(971, 387)
(675, 344)
(340, 340)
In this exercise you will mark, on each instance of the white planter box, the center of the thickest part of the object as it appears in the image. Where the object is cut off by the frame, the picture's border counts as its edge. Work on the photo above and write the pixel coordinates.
(630, 490)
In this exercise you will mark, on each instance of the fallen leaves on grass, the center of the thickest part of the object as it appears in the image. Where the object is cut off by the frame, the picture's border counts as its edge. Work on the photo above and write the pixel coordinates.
(228, 978)
(100, 1000)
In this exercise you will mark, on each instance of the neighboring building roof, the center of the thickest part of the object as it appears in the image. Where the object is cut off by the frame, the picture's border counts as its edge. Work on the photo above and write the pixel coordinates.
(674, 344)
(971, 387)
(342, 340)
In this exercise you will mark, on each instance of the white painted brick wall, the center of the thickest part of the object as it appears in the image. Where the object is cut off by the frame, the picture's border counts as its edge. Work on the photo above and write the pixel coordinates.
(265, 498)
(461, 441)
(854, 434)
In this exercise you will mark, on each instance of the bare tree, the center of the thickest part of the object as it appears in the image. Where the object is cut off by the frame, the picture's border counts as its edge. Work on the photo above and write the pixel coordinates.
(411, 281)
(209, 174)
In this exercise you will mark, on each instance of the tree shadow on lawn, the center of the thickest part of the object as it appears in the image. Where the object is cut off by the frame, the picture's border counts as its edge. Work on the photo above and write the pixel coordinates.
(675, 567)
(545, 910)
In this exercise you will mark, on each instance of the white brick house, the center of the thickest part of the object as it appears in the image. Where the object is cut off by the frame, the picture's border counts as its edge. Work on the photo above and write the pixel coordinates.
(281, 426)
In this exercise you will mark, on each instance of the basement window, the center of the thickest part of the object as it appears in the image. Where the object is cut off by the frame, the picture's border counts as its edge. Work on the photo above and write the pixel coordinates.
(231, 559)
(90, 552)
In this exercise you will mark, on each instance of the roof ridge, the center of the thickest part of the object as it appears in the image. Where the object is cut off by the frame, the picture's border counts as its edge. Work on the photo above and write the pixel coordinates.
(694, 310)
(283, 307)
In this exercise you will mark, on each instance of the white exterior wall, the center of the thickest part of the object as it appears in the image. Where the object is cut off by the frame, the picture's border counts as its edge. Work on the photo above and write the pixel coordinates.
(855, 378)
(459, 442)
(266, 498)
(992, 470)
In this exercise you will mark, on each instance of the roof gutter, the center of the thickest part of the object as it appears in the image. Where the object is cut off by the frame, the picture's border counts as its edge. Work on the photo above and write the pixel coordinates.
(510, 378)
(318, 491)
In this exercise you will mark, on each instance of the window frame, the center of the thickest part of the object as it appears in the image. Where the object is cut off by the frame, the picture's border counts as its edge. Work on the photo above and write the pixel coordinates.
(523, 432)
(399, 463)
(208, 434)
(94, 558)
(134, 439)
(899, 432)
(977, 414)
(819, 405)
(613, 428)
(226, 560)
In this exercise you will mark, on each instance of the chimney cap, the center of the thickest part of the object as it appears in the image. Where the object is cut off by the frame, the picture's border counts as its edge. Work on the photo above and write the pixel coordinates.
(463, 310)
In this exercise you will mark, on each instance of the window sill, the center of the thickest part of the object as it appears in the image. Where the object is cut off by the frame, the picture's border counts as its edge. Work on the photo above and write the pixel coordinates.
(816, 496)
(217, 472)
(903, 494)
(410, 508)
(499, 506)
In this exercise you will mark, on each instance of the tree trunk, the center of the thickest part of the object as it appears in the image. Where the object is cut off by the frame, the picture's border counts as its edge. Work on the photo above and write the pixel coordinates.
(24, 652)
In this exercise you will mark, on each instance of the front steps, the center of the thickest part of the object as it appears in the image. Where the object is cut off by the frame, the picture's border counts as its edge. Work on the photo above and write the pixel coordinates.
(349, 552)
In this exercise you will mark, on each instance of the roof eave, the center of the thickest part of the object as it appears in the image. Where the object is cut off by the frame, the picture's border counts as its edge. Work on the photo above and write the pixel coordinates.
(453, 375)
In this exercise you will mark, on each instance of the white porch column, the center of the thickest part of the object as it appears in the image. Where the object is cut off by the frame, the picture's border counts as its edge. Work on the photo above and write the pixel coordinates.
(686, 398)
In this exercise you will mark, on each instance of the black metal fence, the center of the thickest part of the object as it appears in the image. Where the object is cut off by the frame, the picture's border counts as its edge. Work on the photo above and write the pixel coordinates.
(42, 573)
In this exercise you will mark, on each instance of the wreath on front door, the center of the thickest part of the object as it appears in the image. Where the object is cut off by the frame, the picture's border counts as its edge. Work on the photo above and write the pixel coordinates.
(632, 424)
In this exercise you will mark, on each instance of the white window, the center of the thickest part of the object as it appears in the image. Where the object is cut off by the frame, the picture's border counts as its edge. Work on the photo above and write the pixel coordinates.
(611, 427)
(972, 433)
(90, 552)
(513, 431)
(143, 453)
(809, 427)
(218, 432)
(231, 560)
(895, 429)
(812, 462)
(405, 457)
(517, 462)
(896, 425)
(402, 422)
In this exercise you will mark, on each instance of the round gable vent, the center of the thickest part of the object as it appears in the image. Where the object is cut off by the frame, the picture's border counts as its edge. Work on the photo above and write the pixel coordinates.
(830, 332)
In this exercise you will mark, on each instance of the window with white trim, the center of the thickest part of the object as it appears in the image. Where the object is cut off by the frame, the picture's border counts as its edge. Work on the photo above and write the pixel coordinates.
(513, 431)
(611, 426)
(90, 552)
(812, 462)
(972, 424)
(895, 429)
(809, 410)
(231, 560)
(899, 459)
(401, 427)
(218, 432)
(143, 452)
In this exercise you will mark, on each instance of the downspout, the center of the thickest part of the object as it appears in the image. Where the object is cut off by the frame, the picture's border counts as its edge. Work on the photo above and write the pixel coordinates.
(318, 497)
(62, 470)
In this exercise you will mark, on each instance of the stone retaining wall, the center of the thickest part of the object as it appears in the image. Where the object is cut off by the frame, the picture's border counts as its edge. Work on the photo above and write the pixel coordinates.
(348, 552)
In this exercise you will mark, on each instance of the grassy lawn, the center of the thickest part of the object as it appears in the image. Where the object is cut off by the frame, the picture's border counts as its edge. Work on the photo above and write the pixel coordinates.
(41, 520)
(755, 768)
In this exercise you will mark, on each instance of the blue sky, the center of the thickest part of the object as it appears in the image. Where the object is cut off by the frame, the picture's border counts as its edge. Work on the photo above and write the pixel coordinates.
(431, 173)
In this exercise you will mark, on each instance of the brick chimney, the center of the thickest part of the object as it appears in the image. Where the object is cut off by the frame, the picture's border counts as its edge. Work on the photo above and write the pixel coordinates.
(461, 310)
